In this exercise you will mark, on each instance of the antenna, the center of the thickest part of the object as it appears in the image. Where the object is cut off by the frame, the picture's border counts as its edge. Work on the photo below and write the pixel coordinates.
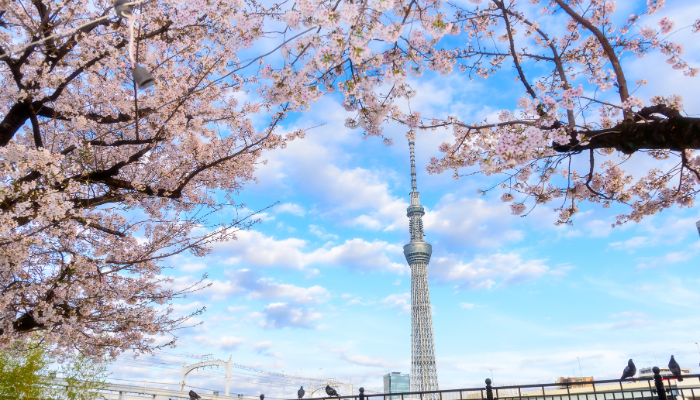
(411, 144)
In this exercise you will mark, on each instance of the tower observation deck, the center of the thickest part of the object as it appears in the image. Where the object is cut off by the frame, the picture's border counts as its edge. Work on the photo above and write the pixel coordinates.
(418, 252)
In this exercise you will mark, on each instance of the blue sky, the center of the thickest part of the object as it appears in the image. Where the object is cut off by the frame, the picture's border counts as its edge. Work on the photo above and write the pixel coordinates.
(320, 287)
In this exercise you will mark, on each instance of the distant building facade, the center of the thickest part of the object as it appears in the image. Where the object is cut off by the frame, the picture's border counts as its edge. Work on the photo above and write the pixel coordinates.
(396, 382)
(648, 373)
(575, 379)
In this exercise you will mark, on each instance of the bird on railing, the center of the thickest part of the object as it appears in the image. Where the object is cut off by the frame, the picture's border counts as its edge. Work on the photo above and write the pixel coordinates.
(193, 395)
(301, 392)
(629, 371)
(675, 369)
(331, 392)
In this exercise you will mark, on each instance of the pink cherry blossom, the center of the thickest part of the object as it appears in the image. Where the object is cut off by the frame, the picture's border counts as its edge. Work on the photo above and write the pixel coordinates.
(84, 149)
(666, 25)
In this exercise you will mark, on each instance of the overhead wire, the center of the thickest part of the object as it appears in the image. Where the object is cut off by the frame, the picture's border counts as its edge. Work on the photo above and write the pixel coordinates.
(245, 367)
(177, 384)
(268, 379)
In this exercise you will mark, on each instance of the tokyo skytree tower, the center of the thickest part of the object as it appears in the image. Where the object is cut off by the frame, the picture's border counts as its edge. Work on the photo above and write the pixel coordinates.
(423, 368)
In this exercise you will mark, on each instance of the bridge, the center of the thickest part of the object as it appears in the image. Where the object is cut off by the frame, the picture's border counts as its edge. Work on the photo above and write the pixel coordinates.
(209, 363)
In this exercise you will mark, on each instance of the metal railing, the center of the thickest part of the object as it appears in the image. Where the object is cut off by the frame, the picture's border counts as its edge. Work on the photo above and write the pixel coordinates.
(647, 388)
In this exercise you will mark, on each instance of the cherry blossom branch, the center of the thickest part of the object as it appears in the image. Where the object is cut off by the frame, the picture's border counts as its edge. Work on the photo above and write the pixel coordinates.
(512, 49)
(612, 57)
(557, 62)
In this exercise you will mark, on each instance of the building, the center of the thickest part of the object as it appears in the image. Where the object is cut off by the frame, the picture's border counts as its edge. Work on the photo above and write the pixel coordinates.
(697, 224)
(648, 373)
(396, 382)
(418, 252)
(575, 379)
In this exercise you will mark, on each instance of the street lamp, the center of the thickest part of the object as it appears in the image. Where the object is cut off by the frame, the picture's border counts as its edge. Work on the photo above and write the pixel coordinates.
(491, 375)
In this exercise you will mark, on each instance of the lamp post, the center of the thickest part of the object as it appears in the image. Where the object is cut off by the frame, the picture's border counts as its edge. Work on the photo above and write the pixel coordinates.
(491, 375)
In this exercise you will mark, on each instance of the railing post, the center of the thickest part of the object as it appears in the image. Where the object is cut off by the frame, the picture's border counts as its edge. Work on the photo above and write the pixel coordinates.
(489, 390)
(362, 393)
(659, 382)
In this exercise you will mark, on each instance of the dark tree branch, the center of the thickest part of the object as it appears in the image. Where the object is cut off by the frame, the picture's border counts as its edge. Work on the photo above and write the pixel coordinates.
(676, 133)
(38, 142)
(512, 49)
(557, 62)
(19, 113)
(607, 48)
(93, 224)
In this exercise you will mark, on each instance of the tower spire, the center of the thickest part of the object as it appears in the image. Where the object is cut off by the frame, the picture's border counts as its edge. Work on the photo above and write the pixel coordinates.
(411, 144)
(418, 252)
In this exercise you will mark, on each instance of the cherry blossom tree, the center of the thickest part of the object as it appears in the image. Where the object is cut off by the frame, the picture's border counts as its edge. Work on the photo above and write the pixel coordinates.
(367, 49)
(104, 181)
(565, 112)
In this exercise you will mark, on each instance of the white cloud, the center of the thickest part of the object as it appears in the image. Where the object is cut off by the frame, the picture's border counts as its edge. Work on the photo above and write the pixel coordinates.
(300, 295)
(264, 349)
(321, 233)
(484, 272)
(358, 300)
(360, 255)
(671, 257)
(266, 288)
(627, 314)
(223, 343)
(340, 193)
(263, 345)
(283, 315)
(469, 306)
(366, 361)
(291, 208)
(632, 244)
(248, 282)
(634, 323)
(313, 273)
(192, 267)
(215, 289)
(256, 249)
(402, 301)
(187, 308)
(471, 221)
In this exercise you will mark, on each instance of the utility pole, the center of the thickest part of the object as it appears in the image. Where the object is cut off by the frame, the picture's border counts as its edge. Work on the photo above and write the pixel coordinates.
(579, 367)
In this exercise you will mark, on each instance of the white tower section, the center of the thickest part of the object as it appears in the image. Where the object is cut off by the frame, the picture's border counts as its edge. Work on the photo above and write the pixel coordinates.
(423, 368)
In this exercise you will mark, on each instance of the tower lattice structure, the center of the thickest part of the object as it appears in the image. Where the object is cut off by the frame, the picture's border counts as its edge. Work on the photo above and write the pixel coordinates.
(417, 252)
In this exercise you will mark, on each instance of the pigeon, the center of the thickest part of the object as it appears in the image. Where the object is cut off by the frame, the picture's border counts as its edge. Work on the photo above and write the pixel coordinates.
(675, 369)
(194, 395)
(301, 392)
(629, 371)
(331, 392)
